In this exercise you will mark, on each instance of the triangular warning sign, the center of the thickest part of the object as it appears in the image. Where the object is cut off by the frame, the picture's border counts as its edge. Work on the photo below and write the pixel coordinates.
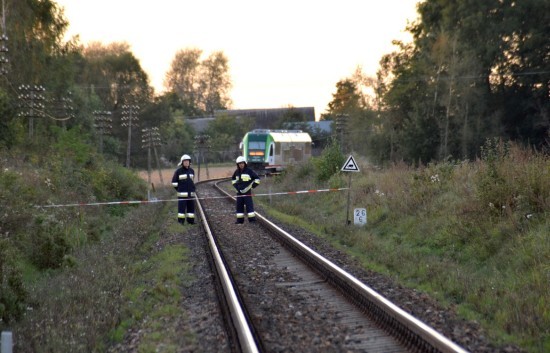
(350, 165)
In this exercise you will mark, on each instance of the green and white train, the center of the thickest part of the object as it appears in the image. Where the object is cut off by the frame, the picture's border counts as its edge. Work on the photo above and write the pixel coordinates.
(269, 151)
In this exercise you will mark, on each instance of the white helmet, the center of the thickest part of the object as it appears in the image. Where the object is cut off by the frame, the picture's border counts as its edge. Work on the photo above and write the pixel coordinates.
(185, 157)
(241, 159)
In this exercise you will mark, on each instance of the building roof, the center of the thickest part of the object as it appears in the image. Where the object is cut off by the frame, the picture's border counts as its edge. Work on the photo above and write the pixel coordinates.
(264, 118)
(291, 137)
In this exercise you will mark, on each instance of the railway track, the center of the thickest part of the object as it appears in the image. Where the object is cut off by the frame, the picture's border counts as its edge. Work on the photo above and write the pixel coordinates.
(279, 295)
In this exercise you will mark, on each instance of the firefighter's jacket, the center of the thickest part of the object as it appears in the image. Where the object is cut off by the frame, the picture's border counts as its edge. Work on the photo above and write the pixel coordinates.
(244, 181)
(183, 182)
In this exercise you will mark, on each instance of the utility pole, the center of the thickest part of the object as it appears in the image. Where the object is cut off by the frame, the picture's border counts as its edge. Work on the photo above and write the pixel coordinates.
(129, 114)
(156, 142)
(341, 130)
(151, 139)
(63, 109)
(32, 98)
(103, 123)
(202, 142)
(3, 55)
(3, 46)
(147, 142)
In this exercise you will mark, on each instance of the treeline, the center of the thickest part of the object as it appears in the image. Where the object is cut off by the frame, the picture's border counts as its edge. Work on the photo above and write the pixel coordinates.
(51, 83)
(475, 70)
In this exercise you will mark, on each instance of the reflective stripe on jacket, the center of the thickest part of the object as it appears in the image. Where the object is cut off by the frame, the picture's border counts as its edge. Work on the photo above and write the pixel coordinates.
(245, 180)
(183, 182)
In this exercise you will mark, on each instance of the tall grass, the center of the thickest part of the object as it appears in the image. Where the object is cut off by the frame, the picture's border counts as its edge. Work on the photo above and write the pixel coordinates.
(473, 234)
(35, 240)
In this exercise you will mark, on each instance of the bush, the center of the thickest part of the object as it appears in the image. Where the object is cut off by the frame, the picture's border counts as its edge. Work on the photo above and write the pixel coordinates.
(12, 292)
(49, 245)
(453, 228)
(112, 182)
(513, 181)
(329, 163)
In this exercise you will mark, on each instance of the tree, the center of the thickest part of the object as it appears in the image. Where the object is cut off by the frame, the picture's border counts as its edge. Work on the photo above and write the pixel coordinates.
(291, 117)
(176, 138)
(183, 79)
(114, 74)
(35, 30)
(202, 86)
(346, 100)
(114, 81)
(522, 64)
(475, 70)
(37, 55)
(226, 133)
(215, 83)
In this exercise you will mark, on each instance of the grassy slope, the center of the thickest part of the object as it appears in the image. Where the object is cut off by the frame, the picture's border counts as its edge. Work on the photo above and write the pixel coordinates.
(77, 278)
(471, 234)
(130, 280)
(474, 234)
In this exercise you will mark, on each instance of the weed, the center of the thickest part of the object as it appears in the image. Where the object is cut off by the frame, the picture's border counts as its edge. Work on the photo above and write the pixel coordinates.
(329, 163)
(474, 234)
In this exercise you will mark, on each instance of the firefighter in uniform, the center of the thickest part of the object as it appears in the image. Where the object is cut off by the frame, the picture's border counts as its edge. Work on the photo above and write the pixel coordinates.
(244, 180)
(183, 182)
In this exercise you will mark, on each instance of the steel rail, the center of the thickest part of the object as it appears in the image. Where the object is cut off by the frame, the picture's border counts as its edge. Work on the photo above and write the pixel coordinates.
(247, 344)
(407, 325)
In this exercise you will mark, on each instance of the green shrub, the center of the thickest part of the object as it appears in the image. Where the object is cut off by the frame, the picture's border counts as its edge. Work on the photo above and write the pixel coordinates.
(512, 183)
(474, 234)
(12, 291)
(71, 144)
(329, 163)
(49, 245)
(337, 181)
(304, 171)
(112, 182)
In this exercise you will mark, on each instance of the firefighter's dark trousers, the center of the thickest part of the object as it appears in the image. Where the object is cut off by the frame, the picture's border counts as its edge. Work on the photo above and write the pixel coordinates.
(186, 210)
(242, 202)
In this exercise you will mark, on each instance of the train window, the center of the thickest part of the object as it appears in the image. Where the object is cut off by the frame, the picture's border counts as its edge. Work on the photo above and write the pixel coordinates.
(256, 145)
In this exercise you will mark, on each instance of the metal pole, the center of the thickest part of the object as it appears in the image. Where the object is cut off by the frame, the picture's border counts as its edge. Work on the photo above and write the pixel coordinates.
(199, 160)
(6, 341)
(206, 164)
(129, 148)
(158, 165)
(131, 113)
(348, 222)
(31, 120)
(101, 140)
(149, 164)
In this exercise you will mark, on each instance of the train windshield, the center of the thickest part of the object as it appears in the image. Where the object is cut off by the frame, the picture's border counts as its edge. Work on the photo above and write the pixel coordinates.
(256, 145)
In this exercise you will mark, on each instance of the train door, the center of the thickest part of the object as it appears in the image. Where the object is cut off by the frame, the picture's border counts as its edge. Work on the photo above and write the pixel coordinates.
(271, 154)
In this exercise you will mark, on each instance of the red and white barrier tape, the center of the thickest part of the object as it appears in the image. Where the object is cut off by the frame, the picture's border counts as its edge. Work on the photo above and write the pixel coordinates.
(137, 202)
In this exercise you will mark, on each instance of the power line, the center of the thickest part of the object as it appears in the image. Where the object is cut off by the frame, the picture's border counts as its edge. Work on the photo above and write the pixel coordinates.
(129, 114)
(103, 122)
(471, 77)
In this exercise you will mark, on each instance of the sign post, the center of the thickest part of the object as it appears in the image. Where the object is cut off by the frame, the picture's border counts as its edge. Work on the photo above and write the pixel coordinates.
(349, 166)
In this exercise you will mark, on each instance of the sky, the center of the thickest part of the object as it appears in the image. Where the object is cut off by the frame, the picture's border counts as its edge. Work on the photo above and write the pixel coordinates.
(281, 53)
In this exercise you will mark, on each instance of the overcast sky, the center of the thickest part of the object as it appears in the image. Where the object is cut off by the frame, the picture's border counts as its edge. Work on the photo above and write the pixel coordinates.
(281, 53)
